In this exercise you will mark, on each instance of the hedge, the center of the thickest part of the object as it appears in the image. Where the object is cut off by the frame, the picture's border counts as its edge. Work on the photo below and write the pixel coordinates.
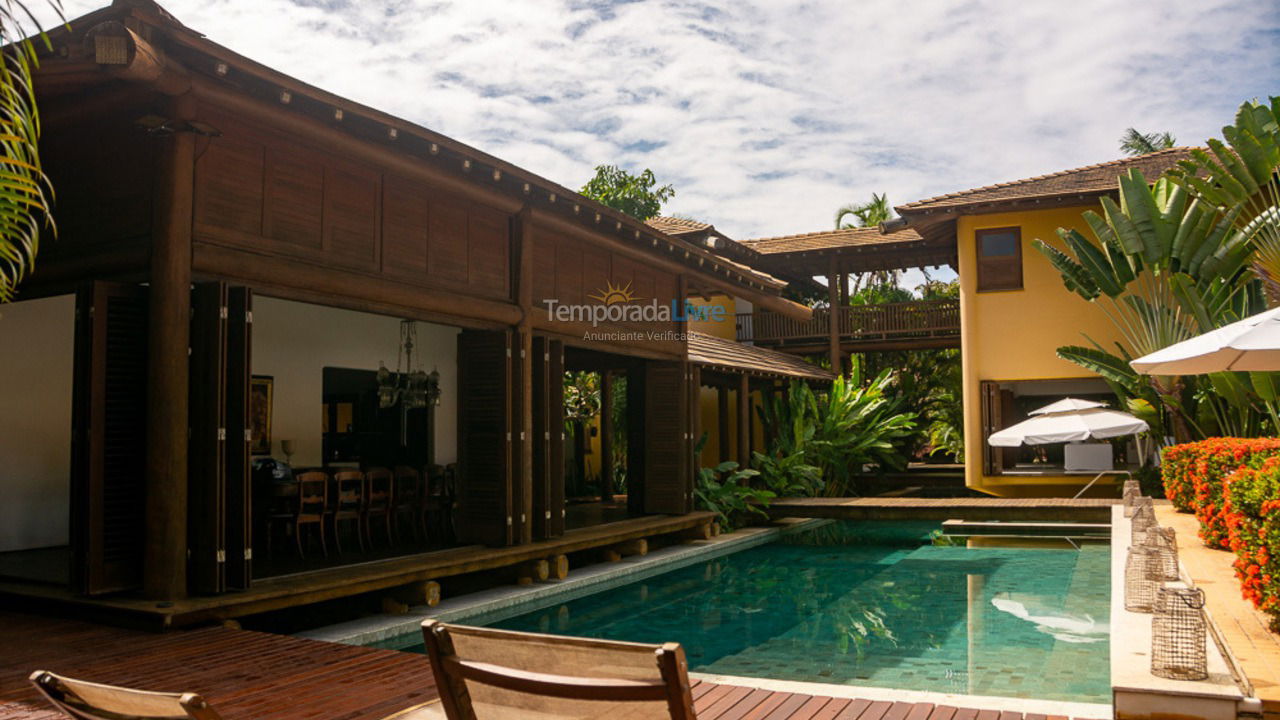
(1196, 475)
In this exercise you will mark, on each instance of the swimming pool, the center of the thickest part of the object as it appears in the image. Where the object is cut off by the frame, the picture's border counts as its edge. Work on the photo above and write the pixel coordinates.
(869, 603)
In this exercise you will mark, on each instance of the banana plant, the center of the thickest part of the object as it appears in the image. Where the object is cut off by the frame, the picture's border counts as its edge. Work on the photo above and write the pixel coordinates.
(1163, 266)
(1241, 173)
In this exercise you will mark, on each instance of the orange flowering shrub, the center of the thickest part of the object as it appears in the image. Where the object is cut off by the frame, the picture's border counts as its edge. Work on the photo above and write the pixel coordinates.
(1252, 518)
(1197, 474)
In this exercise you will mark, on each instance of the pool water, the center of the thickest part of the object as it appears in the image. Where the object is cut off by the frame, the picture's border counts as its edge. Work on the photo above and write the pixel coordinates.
(882, 604)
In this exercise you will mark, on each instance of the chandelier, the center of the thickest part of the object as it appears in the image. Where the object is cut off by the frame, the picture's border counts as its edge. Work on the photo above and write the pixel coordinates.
(409, 386)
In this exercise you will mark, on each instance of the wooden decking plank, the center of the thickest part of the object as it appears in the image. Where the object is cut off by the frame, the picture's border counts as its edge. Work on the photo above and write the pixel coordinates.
(788, 707)
(770, 704)
(920, 711)
(876, 710)
(988, 715)
(965, 714)
(711, 697)
(898, 711)
(942, 712)
(853, 709)
(810, 709)
(832, 709)
(1036, 716)
(713, 710)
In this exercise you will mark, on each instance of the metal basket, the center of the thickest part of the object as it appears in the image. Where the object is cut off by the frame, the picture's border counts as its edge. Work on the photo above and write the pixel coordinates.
(1144, 518)
(1178, 634)
(1165, 541)
(1139, 587)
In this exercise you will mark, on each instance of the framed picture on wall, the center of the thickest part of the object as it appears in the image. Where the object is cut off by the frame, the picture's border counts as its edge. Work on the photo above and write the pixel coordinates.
(260, 396)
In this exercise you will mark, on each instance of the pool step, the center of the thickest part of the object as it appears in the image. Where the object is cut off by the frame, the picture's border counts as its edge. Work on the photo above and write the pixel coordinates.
(1025, 529)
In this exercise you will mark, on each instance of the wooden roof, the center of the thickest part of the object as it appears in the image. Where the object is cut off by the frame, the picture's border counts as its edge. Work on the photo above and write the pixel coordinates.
(1088, 181)
(730, 356)
(190, 59)
(827, 240)
(677, 226)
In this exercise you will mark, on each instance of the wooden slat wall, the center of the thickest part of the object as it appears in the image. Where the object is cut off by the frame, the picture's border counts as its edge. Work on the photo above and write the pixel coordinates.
(261, 191)
(109, 416)
(667, 479)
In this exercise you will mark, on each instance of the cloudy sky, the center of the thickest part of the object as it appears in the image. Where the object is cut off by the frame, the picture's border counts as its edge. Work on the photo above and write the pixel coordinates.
(766, 116)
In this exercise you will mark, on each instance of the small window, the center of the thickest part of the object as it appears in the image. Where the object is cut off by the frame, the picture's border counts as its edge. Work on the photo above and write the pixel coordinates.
(999, 259)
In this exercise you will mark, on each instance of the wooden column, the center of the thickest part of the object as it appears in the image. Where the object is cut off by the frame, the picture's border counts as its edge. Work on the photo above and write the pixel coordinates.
(844, 289)
(722, 421)
(833, 315)
(606, 434)
(524, 387)
(744, 421)
(164, 575)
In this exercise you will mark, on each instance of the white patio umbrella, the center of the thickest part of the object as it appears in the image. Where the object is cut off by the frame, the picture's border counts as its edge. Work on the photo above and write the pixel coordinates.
(1073, 426)
(1067, 405)
(1250, 344)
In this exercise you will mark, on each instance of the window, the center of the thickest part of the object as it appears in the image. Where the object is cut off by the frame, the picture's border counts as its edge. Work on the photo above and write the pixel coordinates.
(999, 259)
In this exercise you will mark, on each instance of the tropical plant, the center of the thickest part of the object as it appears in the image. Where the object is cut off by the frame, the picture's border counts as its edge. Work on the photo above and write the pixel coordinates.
(635, 195)
(841, 431)
(1242, 173)
(865, 214)
(726, 490)
(1163, 267)
(788, 475)
(26, 197)
(581, 407)
(1139, 143)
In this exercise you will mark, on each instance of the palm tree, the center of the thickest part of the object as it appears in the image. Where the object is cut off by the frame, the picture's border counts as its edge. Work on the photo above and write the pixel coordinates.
(873, 212)
(25, 193)
(1136, 143)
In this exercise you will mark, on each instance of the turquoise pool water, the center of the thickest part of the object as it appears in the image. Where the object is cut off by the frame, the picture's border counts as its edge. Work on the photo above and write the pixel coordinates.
(875, 604)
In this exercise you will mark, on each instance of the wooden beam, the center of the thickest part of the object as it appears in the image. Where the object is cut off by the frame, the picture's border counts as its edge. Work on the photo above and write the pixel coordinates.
(833, 315)
(122, 53)
(164, 574)
(744, 421)
(722, 422)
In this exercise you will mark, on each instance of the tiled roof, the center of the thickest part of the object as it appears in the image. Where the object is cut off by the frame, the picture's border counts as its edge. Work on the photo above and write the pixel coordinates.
(676, 226)
(721, 353)
(827, 239)
(1088, 179)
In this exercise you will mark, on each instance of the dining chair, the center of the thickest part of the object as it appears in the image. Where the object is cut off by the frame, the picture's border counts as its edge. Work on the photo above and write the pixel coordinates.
(408, 494)
(379, 492)
(349, 487)
(311, 497)
(94, 701)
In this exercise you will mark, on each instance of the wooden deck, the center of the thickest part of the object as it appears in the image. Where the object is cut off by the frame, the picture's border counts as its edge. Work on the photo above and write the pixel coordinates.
(882, 508)
(345, 581)
(251, 675)
(887, 326)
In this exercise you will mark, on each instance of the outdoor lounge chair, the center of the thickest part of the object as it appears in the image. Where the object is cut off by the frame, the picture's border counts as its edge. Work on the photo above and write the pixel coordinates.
(92, 701)
(485, 674)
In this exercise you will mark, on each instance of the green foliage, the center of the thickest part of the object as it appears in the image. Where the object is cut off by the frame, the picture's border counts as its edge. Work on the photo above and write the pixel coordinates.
(581, 396)
(1139, 143)
(842, 430)
(788, 475)
(866, 214)
(1164, 267)
(726, 490)
(635, 195)
(26, 196)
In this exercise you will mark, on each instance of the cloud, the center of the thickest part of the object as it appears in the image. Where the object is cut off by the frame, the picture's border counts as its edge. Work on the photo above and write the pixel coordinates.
(767, 116)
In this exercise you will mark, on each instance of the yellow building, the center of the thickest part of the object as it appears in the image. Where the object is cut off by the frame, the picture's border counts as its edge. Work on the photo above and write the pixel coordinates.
(1012, 315)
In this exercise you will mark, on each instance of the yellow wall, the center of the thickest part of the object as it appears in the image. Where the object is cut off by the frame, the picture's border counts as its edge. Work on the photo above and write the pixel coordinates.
(725, 328)
(1014, 335)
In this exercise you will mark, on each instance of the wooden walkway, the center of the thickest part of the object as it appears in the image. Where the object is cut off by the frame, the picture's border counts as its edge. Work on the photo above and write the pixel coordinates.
(883, 508)
(257, 676)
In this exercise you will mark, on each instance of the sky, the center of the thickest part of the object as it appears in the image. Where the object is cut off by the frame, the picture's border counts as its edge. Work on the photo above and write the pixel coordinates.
(768, 116)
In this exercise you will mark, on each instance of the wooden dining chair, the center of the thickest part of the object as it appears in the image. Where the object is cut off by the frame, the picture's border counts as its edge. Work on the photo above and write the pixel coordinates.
(379, 492)
(486, 674)
(349, 505)
(407, 495)
(94, 701)
(310, 499)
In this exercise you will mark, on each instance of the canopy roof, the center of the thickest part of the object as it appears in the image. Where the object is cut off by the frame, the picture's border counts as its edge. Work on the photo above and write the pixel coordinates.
(1249, 344)
(1067, 405)
(720, 354)
(1092, 424)
(851, 249)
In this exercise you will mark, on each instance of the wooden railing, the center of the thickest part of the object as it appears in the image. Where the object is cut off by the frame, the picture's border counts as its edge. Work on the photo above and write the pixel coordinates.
(888, 321)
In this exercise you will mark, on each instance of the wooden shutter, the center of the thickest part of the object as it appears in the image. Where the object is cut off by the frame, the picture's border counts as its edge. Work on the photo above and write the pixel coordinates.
(519, 516)
(999, 258)
(206, 453)
(548, 435)
(636, 449)
(238, 503)
(991, 422)
(484, 438)
(667, 480)
(109, 417)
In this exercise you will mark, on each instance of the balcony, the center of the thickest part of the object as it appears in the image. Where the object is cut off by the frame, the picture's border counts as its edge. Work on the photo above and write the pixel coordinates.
(891, 326)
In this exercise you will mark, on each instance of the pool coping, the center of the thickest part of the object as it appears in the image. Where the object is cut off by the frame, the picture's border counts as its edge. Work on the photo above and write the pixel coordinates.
(516, 599)
(1029, 706)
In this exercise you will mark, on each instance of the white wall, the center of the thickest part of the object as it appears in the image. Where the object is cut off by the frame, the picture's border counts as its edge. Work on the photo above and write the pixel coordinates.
(37, 340)
(294, 341)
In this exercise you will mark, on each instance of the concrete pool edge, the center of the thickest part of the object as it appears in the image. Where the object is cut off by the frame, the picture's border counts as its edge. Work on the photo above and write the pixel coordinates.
(585, 581)
(877, 693)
